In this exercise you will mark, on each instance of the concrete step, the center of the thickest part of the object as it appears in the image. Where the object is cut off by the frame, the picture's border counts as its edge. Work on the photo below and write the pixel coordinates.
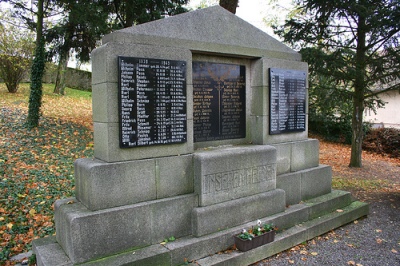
(297, 224)
(290, 237)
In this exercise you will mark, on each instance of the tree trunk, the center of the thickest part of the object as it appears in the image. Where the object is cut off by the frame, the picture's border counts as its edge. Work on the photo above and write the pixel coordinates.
(229, 5)
(61, 70)
(129, 13)
(37, 70)
(358, 99)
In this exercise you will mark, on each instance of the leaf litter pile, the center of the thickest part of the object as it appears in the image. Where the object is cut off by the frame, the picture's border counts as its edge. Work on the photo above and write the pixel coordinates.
(36, 167)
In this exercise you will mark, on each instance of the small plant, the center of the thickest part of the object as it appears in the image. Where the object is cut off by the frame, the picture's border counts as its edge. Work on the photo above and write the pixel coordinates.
(258, 235)
(258, 230)
(246, 235)
(166, 240)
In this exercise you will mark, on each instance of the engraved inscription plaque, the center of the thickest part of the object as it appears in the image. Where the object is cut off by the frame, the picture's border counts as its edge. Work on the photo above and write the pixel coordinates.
(152, 101)
(219, 101)
(287, 101)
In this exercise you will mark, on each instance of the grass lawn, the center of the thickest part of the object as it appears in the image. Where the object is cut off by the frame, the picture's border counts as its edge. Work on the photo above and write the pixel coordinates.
(36, 166)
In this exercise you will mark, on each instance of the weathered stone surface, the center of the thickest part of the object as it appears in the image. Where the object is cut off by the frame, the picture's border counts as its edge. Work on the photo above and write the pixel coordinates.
(316, 181)
(233, 172)
(211, 219)
(200, 34)
(296, 220)
(101, 185)
(297, 155)
(260, 101)
(291, 184)
(105, 101)
(49, 253)
(87, 235)
(305, 154)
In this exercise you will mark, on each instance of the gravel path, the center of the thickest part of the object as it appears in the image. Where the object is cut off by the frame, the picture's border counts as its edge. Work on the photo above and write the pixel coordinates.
(374, 240)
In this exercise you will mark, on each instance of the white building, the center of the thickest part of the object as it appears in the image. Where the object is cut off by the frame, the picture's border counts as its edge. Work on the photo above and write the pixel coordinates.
(389, 116)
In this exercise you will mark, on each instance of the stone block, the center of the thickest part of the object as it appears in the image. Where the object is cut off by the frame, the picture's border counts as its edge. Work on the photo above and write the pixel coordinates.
(259, 129)
(105, 63)
(333, 220)
(174, 176)
(211, 219)
(240, 38)
(49, 253)
(327, 203)
(293, 215)
(283, 157)
(233, 172)
(305, 154)
(192, 248)
(102, 185)
(291, 184)
(148, 256)
(316, 182)
(106, 145)
(260, 101)
(105, 93)
(86, 235)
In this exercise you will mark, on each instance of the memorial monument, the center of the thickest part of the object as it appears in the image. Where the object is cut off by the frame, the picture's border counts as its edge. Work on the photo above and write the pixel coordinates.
(200, 129)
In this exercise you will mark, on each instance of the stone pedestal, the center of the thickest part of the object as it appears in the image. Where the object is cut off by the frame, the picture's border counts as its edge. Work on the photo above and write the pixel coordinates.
(129, 200)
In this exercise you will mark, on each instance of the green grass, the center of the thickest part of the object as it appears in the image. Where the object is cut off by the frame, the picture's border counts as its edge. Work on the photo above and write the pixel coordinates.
(358, 184)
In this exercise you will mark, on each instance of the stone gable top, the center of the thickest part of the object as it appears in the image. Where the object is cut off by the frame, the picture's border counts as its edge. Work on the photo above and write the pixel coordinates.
(212, 29)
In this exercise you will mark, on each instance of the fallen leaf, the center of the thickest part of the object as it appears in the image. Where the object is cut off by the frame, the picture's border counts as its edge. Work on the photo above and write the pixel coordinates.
(1, 218)
(378, 230)
(303, 259)
(32, 212)
(9, 226)
(394, 251)
(379, 241)
(356, 222)
(304, 252)
(335, 241)
(350, 262)
(314, 253)
(291, 261)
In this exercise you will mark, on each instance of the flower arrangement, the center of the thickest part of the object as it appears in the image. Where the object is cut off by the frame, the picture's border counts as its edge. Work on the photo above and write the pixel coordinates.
(256, 236)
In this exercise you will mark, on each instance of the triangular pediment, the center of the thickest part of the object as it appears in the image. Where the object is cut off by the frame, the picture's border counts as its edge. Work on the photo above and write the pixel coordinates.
(213, 25)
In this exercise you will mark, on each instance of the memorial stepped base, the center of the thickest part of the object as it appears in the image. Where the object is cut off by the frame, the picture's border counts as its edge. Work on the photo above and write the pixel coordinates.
(297, 224)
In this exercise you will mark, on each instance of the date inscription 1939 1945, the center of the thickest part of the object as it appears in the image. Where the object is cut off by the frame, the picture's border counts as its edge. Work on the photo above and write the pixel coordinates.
(287, 101)
(152, 101)
(219, 103)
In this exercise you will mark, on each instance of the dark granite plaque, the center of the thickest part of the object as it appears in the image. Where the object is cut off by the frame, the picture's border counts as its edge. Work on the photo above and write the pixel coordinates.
(287, 101)
(219, 101)
(152, 101)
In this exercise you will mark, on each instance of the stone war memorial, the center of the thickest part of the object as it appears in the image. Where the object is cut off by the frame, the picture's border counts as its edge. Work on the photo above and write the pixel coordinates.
(200, 130)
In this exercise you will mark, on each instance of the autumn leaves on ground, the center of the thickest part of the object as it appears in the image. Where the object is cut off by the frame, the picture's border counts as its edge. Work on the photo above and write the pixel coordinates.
(36, 166)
